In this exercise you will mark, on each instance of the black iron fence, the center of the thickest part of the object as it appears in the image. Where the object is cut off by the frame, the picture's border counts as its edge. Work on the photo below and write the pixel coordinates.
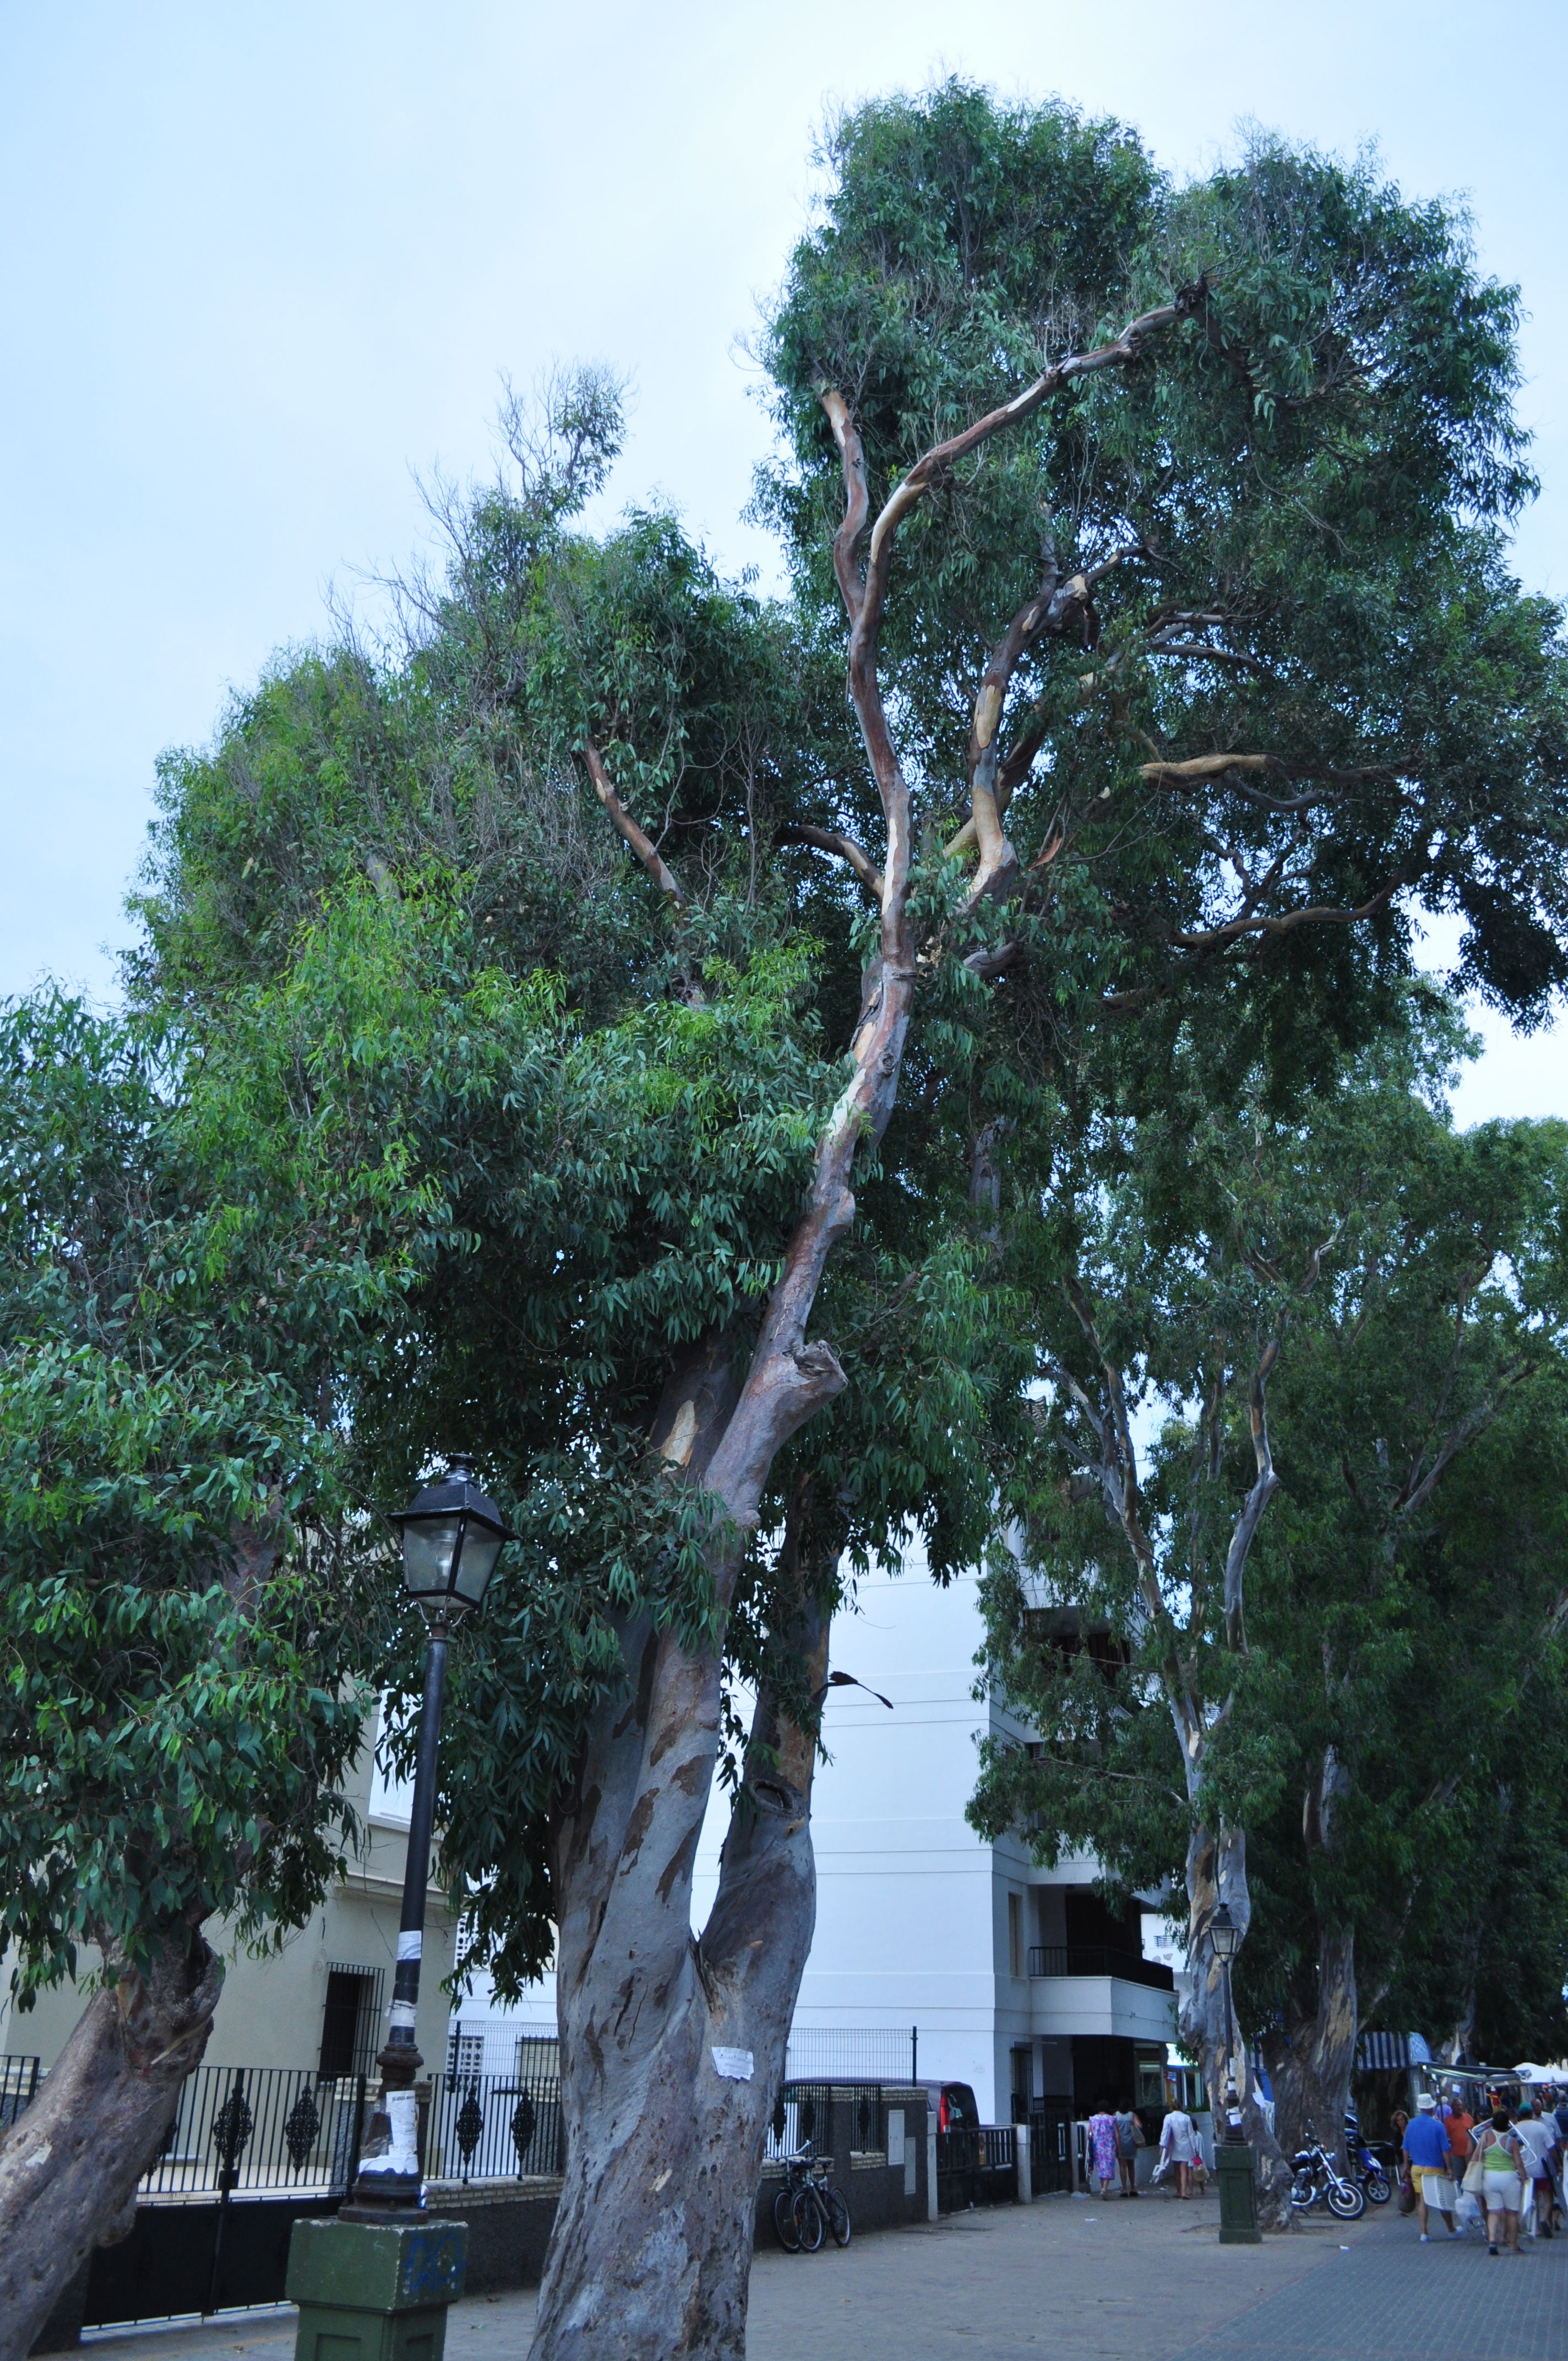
(828, 2114)
(1098, 1960)
(496, 2127)
(976, 2166)
(254, 2128)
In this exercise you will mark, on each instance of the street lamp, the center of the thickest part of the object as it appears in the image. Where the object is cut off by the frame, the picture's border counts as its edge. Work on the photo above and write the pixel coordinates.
(1226, 1938)
(452, 1536)
(1233, 2157)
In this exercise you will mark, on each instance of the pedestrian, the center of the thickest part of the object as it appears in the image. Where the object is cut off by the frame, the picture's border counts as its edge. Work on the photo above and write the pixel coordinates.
(1129, 2139)
(1103, 2147)
(1426, 2150)
(1503, 2180)
(1538, 2144)
(1459, 2124)
(1179, 2145)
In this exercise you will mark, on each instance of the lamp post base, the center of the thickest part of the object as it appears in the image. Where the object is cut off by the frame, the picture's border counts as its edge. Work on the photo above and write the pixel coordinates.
(1233, 2165)
(375, 2291)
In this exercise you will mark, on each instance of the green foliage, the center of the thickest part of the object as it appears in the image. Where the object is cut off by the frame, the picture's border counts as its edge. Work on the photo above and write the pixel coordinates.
(176, 1635)
(1389, 1720)
(1304, 489)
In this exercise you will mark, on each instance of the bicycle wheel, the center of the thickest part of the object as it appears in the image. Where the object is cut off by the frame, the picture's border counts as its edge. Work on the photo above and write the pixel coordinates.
(784, 2219)
(810, 2221)
(1346, 2201)
(1377, 2189)
(838, 2215)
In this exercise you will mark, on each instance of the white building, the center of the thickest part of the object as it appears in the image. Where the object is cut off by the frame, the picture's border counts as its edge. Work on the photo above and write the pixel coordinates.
(1016, 1978)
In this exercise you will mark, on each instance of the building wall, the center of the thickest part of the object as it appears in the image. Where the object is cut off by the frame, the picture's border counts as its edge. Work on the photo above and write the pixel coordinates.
(913, 1925)
(270, 2010)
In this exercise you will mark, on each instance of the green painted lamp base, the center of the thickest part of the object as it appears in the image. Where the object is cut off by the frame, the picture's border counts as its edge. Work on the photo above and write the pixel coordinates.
(1238, 2199)
(375, 2292)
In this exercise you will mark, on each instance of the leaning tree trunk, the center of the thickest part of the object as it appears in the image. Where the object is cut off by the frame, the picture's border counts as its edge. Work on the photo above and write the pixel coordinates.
(1311, 2061)
(673, 2048)
(69, 2167)
(1216, 1873)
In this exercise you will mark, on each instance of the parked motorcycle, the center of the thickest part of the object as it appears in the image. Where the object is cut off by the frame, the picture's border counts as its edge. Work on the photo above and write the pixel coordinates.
(1318, 2180)
(1365, 2166)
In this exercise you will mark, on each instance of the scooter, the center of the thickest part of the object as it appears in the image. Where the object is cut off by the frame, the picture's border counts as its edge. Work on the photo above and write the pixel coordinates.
(1363, 2165)
(1317, 2179)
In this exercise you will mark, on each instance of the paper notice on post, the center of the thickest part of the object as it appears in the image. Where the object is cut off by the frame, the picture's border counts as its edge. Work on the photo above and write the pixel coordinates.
(735, 2065)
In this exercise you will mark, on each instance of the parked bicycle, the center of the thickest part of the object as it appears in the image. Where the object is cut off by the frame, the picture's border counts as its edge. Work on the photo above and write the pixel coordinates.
(1317, 2180)
(808, 2206)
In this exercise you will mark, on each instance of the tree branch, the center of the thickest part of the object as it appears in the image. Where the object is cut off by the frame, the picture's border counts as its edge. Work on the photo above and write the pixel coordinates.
(641, 844)
(826, 840)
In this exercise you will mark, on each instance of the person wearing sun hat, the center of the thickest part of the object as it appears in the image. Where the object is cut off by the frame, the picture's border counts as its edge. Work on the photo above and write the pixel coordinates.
(1426, 2147)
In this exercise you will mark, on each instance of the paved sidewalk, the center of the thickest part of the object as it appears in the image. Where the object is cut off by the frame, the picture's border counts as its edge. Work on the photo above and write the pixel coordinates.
(1101, 2280)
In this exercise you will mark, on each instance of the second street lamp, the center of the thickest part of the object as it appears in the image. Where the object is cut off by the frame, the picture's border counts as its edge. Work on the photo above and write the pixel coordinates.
(451, 1536)
(1233, 2157)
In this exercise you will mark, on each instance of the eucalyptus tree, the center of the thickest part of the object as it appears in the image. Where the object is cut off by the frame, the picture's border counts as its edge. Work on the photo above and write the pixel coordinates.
(1351, 1322)
(179, 1633)
(1158, 532)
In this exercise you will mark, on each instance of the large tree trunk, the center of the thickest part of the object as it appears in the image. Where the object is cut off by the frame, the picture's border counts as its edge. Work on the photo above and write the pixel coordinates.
(672, 2050)
(1216, 1873)
(1310, 2062)
(69, 2167)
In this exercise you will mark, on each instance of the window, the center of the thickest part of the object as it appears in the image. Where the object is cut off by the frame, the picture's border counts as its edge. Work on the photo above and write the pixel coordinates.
(464, 2055)
(350, 2021)
(1014, 1934)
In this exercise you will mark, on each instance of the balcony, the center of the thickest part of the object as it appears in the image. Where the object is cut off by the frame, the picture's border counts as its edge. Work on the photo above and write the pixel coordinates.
(1098, 1960)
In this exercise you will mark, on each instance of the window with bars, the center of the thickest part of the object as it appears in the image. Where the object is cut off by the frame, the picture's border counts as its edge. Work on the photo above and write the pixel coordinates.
(464, 2055)
(351, 2019)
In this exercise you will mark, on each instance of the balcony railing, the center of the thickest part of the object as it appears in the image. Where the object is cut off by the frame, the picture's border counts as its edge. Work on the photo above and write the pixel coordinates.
(1098, 1960)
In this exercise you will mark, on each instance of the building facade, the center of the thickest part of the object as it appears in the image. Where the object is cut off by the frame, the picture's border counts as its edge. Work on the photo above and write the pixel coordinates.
(320, 2001)
(935, 1951)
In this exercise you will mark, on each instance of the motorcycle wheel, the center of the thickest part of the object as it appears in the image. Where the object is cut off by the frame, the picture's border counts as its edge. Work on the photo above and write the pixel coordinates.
(1303, 2192)
(1377, 2189)
(1346, 2201)
(783, 2220)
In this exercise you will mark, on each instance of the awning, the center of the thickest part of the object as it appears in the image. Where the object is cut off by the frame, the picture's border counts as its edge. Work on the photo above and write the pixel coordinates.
(1376, 2052)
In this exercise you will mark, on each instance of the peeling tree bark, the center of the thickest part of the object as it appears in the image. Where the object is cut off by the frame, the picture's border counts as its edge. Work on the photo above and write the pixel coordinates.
(1311, 2061)
(650, 2252)
(69, 2167)
(652, 2248)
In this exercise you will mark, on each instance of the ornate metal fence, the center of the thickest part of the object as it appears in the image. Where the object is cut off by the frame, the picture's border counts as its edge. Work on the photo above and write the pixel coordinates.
(498, 2126)
(254, 2128)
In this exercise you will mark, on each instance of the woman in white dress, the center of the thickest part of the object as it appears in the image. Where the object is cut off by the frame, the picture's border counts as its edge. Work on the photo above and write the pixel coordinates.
(1179, 2145)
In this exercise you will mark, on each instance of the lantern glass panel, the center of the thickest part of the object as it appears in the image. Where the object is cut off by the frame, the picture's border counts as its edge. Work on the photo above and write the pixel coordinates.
(481, 1547)
(1224, 1934)
(428, 1546)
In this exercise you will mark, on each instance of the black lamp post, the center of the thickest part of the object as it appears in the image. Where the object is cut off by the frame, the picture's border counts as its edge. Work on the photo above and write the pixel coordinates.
(1232, 2158)
(451, 1536)
(1225, 1937)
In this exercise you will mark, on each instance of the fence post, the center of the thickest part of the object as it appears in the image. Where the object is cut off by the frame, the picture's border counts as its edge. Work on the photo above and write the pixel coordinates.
(1023, 2163)
(930, 2164)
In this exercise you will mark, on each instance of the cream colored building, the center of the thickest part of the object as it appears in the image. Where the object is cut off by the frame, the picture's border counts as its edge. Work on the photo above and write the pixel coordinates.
(320, 2003)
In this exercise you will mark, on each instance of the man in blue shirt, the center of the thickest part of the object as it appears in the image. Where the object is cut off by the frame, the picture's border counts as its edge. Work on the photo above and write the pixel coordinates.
(1427, 2153)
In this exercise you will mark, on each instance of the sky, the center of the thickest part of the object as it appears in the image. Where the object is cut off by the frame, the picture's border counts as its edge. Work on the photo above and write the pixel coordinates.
(263, 268)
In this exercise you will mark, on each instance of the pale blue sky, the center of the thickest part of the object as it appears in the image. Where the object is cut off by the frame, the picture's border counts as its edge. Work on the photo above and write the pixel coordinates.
(260, 263)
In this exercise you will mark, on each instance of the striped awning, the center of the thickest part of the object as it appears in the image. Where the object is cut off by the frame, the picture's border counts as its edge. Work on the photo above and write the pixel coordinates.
(1378, 2051)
